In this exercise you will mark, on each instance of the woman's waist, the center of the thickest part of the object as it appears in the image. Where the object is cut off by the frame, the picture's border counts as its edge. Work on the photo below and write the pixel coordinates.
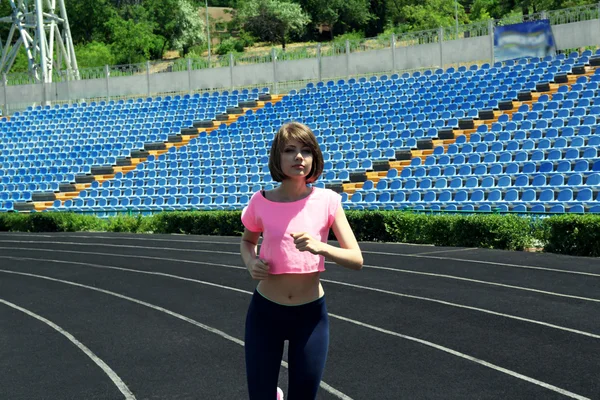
(291, 288)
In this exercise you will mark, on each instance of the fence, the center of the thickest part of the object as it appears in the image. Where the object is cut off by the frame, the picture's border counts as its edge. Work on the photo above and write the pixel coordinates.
(280, 70)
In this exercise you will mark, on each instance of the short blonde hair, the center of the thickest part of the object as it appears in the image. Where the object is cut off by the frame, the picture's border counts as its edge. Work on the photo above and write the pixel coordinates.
(303, 134)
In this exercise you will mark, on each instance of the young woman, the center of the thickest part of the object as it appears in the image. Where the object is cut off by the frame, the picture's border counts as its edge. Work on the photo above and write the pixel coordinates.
(289, 301)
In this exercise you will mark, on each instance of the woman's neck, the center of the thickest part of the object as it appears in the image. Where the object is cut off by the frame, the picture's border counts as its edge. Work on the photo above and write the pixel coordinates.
(292, 190)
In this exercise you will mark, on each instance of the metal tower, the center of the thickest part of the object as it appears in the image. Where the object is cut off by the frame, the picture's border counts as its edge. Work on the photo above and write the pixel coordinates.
(44, 34)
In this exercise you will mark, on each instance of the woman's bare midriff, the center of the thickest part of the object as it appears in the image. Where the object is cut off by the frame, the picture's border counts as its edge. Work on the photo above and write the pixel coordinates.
(292, 289)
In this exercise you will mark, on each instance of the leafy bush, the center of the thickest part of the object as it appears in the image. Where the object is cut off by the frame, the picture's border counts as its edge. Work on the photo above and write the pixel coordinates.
(94, 54)
(246, 38)
(565, 234)
(230, 45)
(367, 225)
(292, 53)
(50, 222)
(577, 235)
(129, 224)
(197, 61)
(133, 42)
(8, 221)
(355, 39)
(224, 223)
(489, 231)
(440, 230)
(21, 63)
(406, 227)
(509, 232)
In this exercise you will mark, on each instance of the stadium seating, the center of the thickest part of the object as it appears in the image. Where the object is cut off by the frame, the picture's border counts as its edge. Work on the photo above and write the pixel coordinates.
(517, 136)
(44, 147)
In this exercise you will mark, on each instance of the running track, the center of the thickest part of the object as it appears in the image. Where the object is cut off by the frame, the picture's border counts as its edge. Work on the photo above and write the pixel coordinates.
(113, 316)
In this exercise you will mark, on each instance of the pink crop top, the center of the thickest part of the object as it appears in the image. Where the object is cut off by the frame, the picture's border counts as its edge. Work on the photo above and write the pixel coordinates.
(276, 220)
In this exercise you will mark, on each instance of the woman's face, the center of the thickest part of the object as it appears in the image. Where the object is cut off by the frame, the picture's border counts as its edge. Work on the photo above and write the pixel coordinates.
(296, 160)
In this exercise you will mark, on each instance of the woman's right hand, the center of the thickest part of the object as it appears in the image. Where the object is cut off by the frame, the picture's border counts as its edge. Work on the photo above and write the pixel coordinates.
(259, 269)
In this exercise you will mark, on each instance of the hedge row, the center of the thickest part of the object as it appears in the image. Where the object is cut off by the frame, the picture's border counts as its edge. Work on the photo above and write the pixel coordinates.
(565, 234)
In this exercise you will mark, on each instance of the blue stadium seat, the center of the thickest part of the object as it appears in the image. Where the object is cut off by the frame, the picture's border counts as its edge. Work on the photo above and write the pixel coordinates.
(549, 146)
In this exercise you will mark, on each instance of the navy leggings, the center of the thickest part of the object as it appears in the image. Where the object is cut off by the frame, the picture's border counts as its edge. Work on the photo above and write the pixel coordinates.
(268, 325)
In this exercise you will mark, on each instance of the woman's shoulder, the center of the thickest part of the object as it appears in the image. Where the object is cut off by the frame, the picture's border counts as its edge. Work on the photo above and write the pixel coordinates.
(325, 193)
(255, 197)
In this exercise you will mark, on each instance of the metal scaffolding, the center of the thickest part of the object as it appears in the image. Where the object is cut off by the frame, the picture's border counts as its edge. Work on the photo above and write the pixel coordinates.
(41, 27)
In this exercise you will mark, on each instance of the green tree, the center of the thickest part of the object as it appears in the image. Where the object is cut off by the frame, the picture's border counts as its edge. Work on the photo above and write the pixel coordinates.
(215, 3)
(5, 11)
(480, 10)
(341, 15)
(547, 5)
(87, 19)
(415, 15)
(94, 54)
(499, 9)
(21, 63)
(349, 15)
(379, 18)
(125, 3)
(272, 20)
(132, 42)
(432, 14)
(395, 11)
(191, 28)
(178, 22)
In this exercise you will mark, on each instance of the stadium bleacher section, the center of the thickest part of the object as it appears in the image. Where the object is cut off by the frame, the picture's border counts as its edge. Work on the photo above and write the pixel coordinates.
(514, 136)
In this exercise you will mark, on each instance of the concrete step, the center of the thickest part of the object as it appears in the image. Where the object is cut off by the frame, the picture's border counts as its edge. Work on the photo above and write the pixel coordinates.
(125, 169)
(102, 178)
(352, 186)
(399, 164)
(157, 153)
(42, 205)
(66, 196)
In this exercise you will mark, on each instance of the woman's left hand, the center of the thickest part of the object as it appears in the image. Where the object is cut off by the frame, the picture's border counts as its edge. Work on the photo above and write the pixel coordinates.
(305, 242)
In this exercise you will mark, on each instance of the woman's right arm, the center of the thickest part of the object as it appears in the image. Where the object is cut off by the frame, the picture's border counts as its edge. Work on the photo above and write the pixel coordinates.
(259, 269)
(248, 245)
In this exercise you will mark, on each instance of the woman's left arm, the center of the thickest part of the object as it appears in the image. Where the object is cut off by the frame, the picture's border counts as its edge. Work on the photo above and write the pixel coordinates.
(348, 255)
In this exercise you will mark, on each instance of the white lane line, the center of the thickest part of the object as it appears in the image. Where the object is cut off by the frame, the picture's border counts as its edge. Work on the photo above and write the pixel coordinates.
(445, 251)
(366, 266)
(145, 238)
(467, 357)
(218, 332)
(416, 255)
(223, 334)
(446, 303)
(125, 246)
(483, 310)
(323, 280)
(122, 255)
(406, 271)
(105, 368)
(583, 333)
(152, 238)
(364, 252)
(483, 262)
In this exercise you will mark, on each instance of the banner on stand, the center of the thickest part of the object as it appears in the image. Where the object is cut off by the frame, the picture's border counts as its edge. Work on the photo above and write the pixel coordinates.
(527, 39)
